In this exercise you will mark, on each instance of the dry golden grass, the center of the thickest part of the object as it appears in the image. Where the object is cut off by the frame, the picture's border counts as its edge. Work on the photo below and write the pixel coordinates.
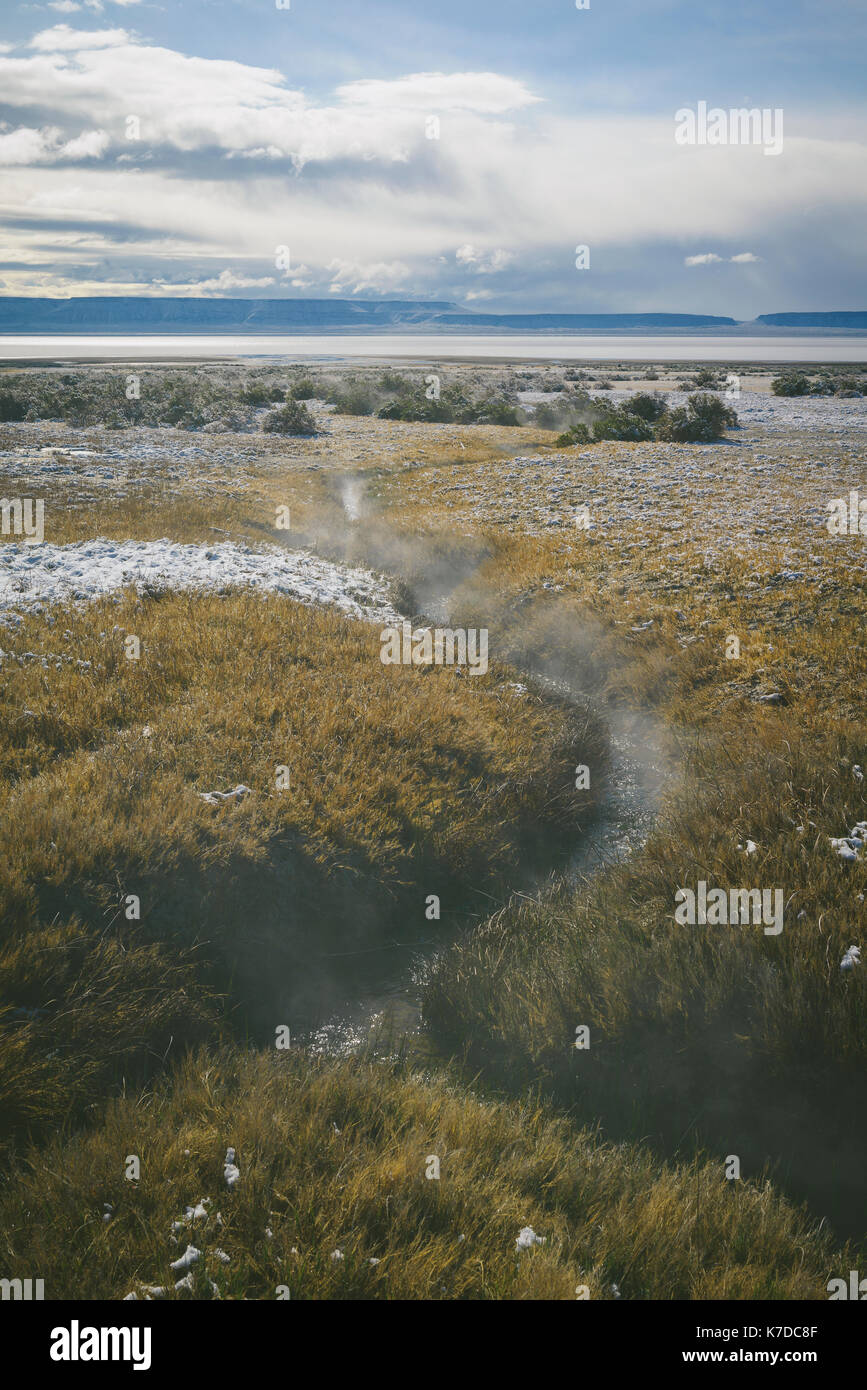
(333, 1157)
(402, 784)
(724, 1037)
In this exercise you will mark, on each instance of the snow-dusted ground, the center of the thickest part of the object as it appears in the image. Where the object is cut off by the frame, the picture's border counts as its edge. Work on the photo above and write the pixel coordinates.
(770, 480)
(776, 414)
(33, 575)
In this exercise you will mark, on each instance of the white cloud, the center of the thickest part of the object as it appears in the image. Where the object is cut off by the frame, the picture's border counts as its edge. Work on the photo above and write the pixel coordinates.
(62, 39)
(89, 145)
(711, 258)
(365, 200)
(64, 6)
(484, 92)
(28, 145)
(23, 146)
(483, 263)
(227, 280)
(379, 276)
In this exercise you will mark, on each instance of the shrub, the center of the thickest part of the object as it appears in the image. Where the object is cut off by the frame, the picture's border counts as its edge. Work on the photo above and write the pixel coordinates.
(703, 419)
(619, 424)
(578, 434)
(258, 394)
(291, 418)
(790, 384)
(492, 410)
(646, 405)
(357, 398)
(11, 408)
(848, 386)
(566, 409)
(706, 376)
(303, 390)
(396, 382)
(416, 406)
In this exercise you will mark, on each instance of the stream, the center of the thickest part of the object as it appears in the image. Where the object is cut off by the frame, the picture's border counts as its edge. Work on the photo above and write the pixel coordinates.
(386, 993)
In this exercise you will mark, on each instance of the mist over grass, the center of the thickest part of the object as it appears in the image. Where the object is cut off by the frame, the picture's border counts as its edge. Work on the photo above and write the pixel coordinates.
(268, 903)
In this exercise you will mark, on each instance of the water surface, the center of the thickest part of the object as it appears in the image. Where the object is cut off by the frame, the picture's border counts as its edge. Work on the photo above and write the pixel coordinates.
(437, 347)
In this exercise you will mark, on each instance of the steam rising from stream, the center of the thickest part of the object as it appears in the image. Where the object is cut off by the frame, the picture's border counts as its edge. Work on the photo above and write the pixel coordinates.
(442, 584)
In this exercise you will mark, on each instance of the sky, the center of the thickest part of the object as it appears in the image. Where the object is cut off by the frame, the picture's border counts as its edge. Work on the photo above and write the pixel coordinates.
(449, 151)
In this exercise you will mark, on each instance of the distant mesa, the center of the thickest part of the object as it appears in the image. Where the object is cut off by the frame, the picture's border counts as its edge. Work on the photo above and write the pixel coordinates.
(124, 314)
(581, 323)
(856, 318)
(146, 314)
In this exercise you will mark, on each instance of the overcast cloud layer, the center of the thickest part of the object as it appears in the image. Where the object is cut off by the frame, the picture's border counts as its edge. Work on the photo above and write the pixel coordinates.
(130, 165)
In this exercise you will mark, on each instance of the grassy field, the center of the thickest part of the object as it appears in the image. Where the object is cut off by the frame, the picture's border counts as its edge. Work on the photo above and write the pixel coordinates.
(398, 788)
(705, 1041)
(338, 1199)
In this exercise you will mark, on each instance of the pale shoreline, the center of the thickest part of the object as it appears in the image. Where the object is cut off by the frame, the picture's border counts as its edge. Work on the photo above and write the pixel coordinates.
(490, 349)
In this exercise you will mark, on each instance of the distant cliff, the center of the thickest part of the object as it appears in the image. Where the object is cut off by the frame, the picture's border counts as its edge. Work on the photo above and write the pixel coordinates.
(832, 319)
(125, 314)
(129, 314)
(132, 314)
(581, 323)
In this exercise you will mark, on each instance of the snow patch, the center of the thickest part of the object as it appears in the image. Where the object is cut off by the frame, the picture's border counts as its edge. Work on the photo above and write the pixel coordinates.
(34, 575)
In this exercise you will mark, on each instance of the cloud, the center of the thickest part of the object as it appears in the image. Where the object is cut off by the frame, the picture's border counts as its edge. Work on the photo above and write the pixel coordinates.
(484, 92)
(61, 39)
(380, 276)
(27, 146)
(483, 263)
(245, 163)
(227, 280)
(90, 145)
(711, 258)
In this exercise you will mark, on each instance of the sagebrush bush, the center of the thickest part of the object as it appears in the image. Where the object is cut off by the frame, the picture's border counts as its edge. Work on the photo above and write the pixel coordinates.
(702, 420)
(291, 418)
(790, 384)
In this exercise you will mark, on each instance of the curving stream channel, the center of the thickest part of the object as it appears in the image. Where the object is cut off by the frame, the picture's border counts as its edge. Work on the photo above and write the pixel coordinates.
(388, 980)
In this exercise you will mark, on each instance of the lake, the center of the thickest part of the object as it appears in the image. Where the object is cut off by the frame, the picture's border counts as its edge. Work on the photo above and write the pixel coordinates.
(437, 347)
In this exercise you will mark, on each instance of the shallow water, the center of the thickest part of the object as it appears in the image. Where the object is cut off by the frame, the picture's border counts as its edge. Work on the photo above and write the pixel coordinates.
(437, 347)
